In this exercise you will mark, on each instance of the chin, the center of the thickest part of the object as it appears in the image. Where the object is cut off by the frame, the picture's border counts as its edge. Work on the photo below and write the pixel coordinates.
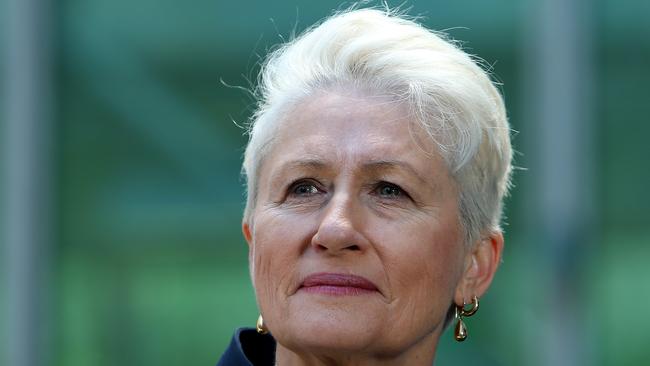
(328, 331)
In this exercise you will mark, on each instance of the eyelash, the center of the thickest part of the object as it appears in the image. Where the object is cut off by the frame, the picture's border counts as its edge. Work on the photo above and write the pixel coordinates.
(399, 193)
(293, 187)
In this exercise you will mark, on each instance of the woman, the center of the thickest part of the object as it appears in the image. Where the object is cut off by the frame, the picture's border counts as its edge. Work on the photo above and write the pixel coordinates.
(377, 163)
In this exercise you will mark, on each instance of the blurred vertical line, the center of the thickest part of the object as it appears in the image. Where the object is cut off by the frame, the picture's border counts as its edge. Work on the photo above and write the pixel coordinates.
(28, 157)
(559, 80)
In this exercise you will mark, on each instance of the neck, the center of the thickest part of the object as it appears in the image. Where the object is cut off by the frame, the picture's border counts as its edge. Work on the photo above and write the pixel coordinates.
(420, 353)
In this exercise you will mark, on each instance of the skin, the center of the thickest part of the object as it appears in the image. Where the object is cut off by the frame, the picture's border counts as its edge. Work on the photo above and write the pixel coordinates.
(349, 188)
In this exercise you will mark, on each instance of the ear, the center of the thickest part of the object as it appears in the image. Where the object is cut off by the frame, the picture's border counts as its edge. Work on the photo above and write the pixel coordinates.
(246, 230)
(481, 263)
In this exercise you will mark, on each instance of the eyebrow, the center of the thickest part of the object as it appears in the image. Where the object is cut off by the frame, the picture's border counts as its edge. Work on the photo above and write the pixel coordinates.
(371, 166)
(302, 164)
(382, 165)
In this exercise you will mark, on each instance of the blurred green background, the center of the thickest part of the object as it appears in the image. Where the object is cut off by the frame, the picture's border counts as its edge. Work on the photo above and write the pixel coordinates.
(137, 256)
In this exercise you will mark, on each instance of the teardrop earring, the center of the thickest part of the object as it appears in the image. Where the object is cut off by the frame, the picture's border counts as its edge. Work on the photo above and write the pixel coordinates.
(261, 329)
(460, 332)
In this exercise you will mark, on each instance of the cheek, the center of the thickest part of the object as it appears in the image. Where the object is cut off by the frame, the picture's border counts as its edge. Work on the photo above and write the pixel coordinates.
(274, 253)
(424, 266)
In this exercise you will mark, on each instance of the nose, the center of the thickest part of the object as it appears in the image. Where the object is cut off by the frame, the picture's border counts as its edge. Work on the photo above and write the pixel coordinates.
(338, 230)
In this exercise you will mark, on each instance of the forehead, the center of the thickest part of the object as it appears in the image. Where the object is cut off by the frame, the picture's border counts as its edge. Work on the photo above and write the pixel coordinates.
(352, 129)
(358, 125)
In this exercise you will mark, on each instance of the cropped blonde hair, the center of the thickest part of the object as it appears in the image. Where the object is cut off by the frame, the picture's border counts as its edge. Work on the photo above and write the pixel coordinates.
(448, 93)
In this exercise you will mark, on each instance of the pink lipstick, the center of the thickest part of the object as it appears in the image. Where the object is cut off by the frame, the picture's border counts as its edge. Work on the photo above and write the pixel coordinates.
(337, 284)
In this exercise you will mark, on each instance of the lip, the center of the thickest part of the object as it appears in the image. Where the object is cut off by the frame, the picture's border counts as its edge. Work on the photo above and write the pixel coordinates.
(337, 284)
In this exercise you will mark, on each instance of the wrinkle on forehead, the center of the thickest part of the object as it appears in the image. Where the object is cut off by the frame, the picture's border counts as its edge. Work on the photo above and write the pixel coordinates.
(336, 130)
(368, 167)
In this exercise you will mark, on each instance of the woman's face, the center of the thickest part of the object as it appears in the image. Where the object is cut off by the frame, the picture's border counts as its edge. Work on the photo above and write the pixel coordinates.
(355, 239)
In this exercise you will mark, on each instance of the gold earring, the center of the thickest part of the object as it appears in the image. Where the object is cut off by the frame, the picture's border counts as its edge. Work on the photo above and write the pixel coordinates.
(460, 332)
(261, 329)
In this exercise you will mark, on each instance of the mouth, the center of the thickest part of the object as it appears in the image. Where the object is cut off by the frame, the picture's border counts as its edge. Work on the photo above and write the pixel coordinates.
(337, 284)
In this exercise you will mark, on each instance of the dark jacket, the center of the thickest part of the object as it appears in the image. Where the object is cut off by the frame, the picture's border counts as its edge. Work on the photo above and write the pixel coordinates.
(249, 348)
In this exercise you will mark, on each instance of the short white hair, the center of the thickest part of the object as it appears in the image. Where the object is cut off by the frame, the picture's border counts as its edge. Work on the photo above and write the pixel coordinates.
(381, 51)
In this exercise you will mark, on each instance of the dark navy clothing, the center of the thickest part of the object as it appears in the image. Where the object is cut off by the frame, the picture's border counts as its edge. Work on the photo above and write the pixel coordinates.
(249, 348)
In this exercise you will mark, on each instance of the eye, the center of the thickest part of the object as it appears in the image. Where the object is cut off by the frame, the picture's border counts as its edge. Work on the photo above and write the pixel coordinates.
(304, 188)
(389, 190)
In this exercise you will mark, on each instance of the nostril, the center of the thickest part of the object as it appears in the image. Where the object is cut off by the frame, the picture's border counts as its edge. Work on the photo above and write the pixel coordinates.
(321, 247)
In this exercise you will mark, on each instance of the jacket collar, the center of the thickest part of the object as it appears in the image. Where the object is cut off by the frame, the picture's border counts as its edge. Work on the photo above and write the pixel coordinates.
(249, 348)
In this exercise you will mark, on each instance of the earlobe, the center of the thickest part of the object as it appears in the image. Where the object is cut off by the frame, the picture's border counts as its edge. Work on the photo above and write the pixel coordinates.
(246, 230)
(483, 262)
